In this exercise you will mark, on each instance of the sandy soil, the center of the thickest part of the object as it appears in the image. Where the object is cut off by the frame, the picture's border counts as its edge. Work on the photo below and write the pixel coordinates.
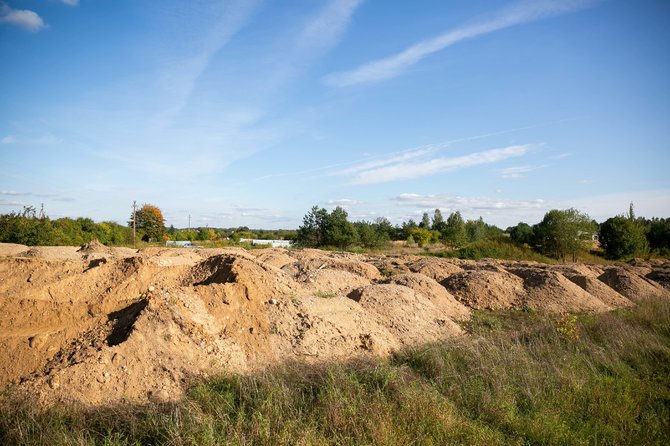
(100, 325)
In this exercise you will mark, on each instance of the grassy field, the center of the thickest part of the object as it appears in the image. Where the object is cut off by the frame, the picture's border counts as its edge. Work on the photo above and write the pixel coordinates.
(519, 378)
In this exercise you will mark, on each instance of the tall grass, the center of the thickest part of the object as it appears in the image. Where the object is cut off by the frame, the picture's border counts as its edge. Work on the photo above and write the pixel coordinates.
(518, 378)
(495, 249)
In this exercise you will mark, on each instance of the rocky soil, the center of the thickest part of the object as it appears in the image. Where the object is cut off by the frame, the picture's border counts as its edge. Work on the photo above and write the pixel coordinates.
(100, 325)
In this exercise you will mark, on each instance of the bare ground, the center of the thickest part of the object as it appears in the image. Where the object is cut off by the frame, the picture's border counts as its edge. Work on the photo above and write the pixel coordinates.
(100, 325)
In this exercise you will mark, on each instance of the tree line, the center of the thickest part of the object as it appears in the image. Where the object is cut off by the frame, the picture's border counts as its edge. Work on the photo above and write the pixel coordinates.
(561, 234)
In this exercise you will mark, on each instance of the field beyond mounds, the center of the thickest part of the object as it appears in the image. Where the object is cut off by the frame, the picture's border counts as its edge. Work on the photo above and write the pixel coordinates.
(100, 325)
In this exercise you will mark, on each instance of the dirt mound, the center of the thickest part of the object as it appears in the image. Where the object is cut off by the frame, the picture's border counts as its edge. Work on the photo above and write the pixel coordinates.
(274, 257)
(94, 247)
(661, 275)
(136, 325)
(11, 249)
(487, 289)
(258, 281)
(435, 268)
(148, 349)
(587, 279)
(389, 265)
(631, 284)
(303, 269)
(408, 315)
(437, 294)
(318, 328)
(549, 290)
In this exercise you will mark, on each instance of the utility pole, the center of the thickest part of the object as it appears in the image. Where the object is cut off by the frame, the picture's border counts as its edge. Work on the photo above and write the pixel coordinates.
(134, 220)
(189, 222)
(42, 214)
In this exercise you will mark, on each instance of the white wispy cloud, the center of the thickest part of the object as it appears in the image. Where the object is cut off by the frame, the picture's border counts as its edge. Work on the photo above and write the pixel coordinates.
(518, 171)
(393, 159)
(326, 28)
(23, 18)
(392, 66)
(190, 50)
(46, 139)
(461, 203)
(344, 202)
(399, 168)
(70, 2)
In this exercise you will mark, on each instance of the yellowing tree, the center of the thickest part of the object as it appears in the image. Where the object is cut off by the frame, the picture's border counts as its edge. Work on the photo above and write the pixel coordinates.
(149, 220)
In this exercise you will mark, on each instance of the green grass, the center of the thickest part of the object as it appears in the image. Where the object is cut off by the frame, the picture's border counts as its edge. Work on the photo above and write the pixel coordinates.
(518, 378)
(325, 294)
(494, 249)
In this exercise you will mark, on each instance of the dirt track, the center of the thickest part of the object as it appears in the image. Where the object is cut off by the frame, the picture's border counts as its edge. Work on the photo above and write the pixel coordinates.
(100, 325)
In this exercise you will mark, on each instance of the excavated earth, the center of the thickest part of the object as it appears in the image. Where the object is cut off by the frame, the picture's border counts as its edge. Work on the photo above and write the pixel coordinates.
(100, 325)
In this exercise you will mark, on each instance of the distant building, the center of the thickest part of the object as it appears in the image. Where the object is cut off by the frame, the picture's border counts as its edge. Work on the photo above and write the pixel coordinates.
(181, 244)
(273, 243)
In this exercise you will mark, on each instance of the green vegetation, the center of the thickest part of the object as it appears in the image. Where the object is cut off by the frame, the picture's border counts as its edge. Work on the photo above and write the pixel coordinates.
(150, 222)
(28, 229)
(325, 294)
(623, 236)
(494, 248)
(561, 234)
(519, 378)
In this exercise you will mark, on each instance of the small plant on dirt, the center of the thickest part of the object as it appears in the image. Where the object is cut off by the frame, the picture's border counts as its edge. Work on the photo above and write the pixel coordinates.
(386, 272)
(325, 294)
(567, 327)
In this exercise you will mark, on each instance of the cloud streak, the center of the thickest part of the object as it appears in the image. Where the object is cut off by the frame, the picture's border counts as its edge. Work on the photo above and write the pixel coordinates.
(518, 171)
(23, 18)
(456, 202)
(392, 66)
(327, 28)
(405, 168)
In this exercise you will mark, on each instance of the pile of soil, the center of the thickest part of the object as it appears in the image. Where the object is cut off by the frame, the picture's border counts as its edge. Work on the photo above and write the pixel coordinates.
(551, 291)
(410, 316)
(437, 294)
(490, 290)
(435, 268)
(630, 284)
(101, 325)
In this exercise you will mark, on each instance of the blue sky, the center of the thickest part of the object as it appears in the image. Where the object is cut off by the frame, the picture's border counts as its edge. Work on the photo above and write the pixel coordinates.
(249, 112)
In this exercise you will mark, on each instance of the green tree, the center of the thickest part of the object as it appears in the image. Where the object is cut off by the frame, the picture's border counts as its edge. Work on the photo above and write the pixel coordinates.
(425, 221)
(623, 236)
(312, 233)
(339, 231)
(522, 233)
(421, 236)
(454, 233)
(438, 221)
(658, 235)
(476, 229)
(563, 232)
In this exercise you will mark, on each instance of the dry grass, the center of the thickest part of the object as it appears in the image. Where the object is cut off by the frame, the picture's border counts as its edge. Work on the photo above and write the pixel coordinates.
(519, 378)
